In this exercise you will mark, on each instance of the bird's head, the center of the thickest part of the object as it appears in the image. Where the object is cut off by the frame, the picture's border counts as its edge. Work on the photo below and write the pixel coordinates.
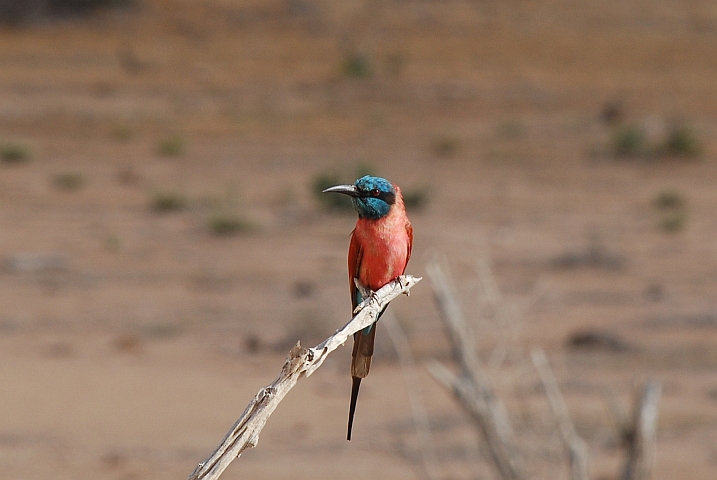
(372, 197)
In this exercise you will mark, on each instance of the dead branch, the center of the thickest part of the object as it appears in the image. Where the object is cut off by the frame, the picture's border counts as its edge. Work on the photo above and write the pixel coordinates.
(475, 393)
(301, 362)
(505, 318)
(642, 442)
(473, 389)
(574, 445)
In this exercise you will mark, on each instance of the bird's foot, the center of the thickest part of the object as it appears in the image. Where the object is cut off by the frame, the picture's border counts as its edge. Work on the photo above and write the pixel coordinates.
(368, 295)
(372, 297)
(403, 284)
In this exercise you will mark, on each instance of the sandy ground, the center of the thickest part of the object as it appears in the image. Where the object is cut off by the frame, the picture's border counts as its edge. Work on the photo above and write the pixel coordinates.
(131, 339)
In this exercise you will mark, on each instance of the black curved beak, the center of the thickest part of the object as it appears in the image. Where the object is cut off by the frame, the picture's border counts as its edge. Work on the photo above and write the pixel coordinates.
(349, 190)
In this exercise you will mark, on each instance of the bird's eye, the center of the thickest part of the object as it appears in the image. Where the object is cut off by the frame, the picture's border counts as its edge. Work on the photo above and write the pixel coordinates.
(375, 192)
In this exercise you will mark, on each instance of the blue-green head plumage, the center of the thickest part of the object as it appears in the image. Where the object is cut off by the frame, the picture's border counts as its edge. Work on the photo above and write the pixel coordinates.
(372, 197)
(376, 195)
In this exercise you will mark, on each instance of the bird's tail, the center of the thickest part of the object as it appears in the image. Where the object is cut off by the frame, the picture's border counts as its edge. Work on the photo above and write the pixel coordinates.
(362, 352)
(360, 366)
(355, 384)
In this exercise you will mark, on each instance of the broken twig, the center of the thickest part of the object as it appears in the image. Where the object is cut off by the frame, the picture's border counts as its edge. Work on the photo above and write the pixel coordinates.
(574, 445)
(642, 443)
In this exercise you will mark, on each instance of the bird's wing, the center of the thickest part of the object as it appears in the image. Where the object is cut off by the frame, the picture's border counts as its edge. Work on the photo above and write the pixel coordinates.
(355, 255)
(363, 340)
(409, 231)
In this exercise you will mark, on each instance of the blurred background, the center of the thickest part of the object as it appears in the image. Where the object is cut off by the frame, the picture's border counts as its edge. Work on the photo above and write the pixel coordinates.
(163, 243)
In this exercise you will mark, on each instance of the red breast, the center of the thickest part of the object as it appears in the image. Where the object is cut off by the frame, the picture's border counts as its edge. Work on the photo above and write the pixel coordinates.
(386, 246)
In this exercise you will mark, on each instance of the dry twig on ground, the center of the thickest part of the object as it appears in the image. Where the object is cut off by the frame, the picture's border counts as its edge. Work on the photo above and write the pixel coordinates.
(301, 362)
(574, 445)
(473, 388)
(641, 446)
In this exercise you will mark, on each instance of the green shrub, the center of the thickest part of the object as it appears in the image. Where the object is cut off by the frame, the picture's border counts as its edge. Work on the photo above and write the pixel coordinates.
(334, 201)
(160, 331)
(168, 202)
(629, 141)
(19, 11)
(223, 225)
(330, 201)
(123, 132)
(68, 181)
(673, 208)
(14, 153)
(669, 199)
(416, 198)
(682, 141)
(674, 222)
(171, 146)
(357, 66)
(446, 145)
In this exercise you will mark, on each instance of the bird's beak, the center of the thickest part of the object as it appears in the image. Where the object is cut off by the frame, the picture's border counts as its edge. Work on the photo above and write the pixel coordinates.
(349, 190)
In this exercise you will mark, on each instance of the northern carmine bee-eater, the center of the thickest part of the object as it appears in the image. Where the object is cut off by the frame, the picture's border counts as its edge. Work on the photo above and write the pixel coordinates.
(378, 253)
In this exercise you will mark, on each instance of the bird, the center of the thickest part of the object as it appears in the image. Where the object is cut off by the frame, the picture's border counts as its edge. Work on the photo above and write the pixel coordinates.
(379, 251)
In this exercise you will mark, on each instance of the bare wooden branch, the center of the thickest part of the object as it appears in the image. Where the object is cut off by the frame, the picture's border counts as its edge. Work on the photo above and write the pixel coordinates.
(642, 445)
(415, 396)
(474, 390)
(301, 362)
(505, 321)
(574, 445)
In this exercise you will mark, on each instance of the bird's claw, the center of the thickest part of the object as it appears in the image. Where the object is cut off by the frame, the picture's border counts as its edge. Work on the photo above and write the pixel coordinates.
(370, 296)
(403, 285)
